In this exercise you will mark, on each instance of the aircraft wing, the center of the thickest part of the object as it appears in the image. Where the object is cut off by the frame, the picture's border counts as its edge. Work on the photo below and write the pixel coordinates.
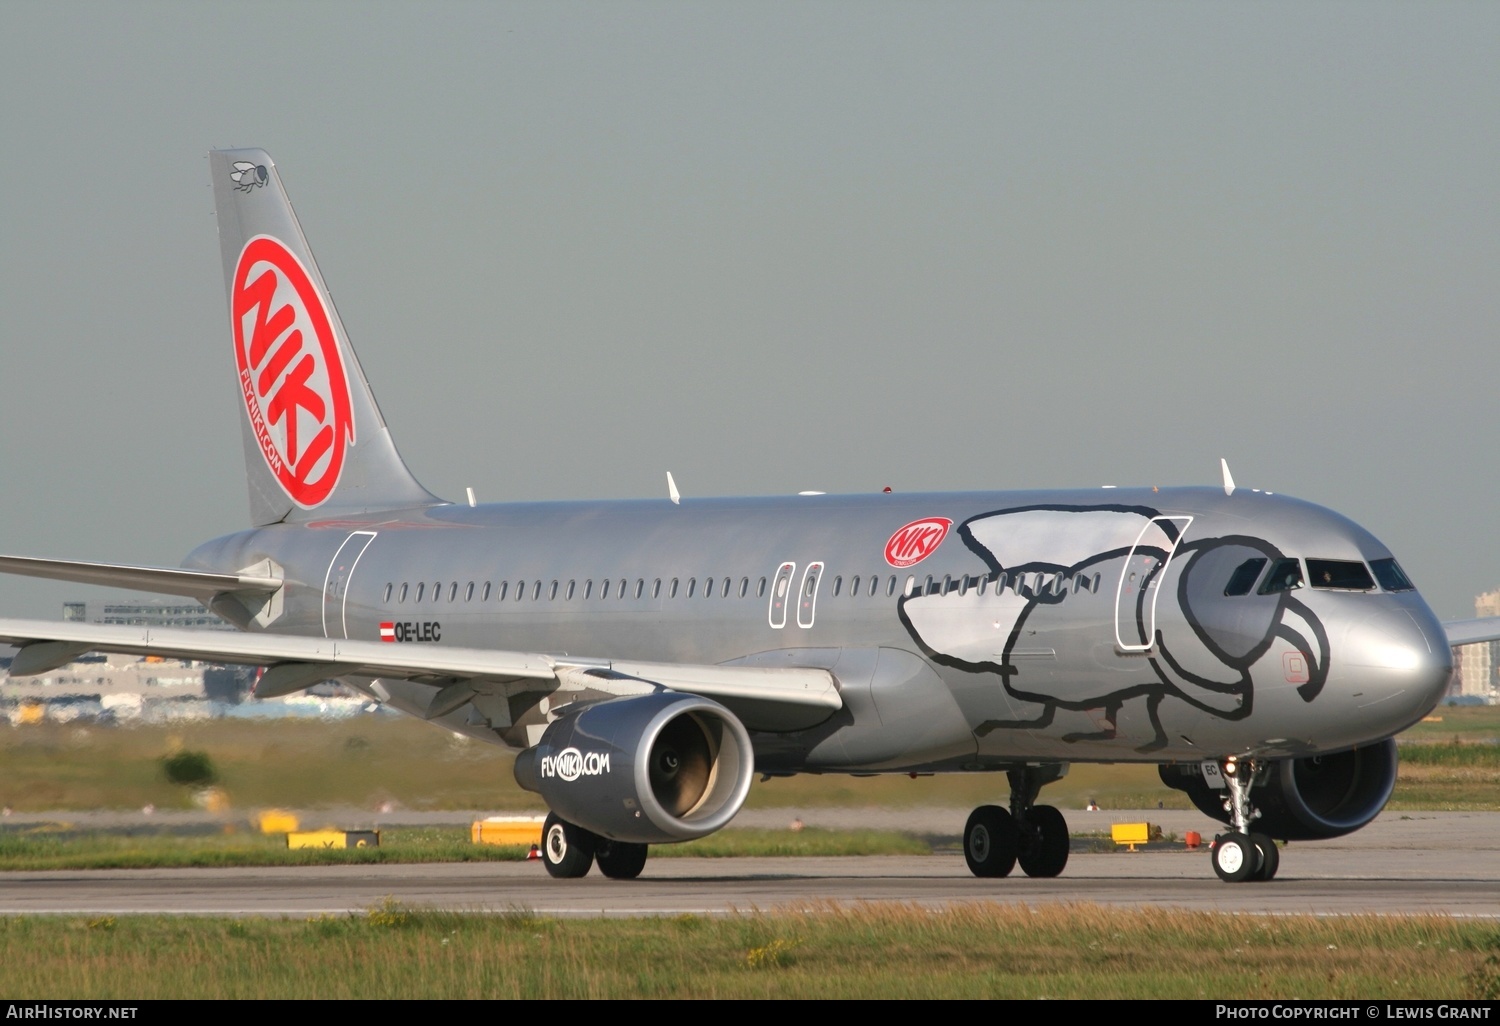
(1470, 632)
(160, 580)
(294, 663)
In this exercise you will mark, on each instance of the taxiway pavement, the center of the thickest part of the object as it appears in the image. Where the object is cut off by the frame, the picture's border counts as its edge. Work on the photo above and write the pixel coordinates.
(1418, 862)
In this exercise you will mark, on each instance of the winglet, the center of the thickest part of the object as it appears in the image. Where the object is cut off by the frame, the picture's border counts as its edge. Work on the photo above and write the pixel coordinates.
(1228, 478)
(672, 492)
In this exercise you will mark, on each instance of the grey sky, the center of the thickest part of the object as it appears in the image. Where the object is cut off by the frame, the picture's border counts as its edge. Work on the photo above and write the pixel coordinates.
(771, 247)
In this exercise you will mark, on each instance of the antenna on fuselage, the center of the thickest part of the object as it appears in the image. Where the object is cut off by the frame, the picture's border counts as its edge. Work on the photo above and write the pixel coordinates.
(672, 492)
(1228, 477)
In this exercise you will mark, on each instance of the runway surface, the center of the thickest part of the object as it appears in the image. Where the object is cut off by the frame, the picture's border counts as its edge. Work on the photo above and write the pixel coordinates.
(1444, 863)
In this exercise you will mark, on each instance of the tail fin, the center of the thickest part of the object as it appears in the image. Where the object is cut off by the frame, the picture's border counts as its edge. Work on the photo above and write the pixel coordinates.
(314, 438)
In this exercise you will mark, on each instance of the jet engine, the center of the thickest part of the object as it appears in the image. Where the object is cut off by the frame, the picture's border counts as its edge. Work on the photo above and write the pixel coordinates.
(1308, 799)
(655, 768)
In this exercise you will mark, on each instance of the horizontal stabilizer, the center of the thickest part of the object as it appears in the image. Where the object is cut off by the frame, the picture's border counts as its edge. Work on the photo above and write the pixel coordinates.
(160, 580)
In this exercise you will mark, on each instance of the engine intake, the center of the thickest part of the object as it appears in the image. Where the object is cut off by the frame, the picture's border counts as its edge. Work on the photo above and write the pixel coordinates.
(1308, 799)
(664, 767)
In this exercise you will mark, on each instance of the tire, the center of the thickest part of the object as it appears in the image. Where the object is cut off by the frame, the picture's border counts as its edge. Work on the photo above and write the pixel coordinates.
(1044, 842)
(991, 841)
(1270, 857)
(620, 860)
(567, 850)
(1235, 857)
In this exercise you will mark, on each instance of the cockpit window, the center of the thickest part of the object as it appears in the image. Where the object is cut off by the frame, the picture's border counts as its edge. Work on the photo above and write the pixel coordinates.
(1244, 577)
(1342, 574)
(1285, 575)
(1390, 575)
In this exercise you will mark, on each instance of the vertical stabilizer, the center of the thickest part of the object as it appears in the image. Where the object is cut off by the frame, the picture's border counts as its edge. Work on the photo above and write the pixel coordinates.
(315, 441)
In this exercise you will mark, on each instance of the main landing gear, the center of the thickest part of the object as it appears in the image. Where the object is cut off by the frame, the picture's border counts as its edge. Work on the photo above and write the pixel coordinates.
(1036, 836)
(1241, 854)
(570, 851)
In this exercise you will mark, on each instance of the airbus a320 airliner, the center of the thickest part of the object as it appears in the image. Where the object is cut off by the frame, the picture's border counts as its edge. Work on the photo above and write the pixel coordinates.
(647, 658)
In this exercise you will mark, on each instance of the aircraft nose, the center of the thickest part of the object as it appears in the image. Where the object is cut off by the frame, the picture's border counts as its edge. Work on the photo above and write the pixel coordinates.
(1398, 665)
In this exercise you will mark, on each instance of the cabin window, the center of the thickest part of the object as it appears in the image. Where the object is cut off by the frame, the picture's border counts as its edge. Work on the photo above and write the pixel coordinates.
(437, 591)
(744, 586)
(1340, 574)
(421, 586)
(604, 589)
(982, 584)
(536, 590)
(640, 587)
(838, 582)
(484, 592)
(569, 596)
(692, 583)
(728, 584)
(1060, 586)
(760, 589)
(387, 593)
(469, 592)
(500, 595)
(672, 589)
(656, 588)
(911, 586)
(1244, 577)
(453, 591)
(708, 587)
(1285, 575)
(1390, 575)
(853, 586)
(588, 589)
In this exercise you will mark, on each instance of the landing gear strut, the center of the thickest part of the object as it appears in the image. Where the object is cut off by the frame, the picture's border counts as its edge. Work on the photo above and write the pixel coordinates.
(1242, 854)
(1034, 835)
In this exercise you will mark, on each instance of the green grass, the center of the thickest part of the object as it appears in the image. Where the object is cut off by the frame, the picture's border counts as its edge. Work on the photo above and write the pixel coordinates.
(53, 849)
(376, 761)
(874, 951)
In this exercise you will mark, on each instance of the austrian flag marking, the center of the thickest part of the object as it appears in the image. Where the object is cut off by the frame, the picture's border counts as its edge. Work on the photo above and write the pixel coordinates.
(291, 372)
(916, 541)
(388, 631)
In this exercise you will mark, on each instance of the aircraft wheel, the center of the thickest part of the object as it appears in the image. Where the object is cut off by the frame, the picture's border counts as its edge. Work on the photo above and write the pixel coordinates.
(991, 841)
(567, 850)
(1044, 845)
(1270, 858)
(1235, 857)
(620, 860)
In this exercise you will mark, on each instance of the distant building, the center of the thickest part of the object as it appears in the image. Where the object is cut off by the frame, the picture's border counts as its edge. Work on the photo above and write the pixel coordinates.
(1477, 664)
(177, 613)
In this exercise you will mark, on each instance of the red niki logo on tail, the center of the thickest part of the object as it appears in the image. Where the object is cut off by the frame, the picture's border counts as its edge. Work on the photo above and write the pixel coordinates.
(291, 372)
(916, 541)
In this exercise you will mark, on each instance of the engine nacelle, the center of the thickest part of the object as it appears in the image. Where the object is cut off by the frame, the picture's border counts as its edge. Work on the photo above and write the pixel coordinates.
(1308, 799)
(663, 767)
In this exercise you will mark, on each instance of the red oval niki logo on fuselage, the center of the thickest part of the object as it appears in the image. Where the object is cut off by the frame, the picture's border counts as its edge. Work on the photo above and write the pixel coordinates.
(916, 541)
(291, 372)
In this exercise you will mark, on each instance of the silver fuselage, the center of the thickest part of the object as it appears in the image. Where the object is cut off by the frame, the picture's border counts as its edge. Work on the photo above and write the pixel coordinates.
(1073, 625)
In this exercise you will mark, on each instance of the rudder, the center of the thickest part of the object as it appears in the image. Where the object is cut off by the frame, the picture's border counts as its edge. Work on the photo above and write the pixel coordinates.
(314, 438)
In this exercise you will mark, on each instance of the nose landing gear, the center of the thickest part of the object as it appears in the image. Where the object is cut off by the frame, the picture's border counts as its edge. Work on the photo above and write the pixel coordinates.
(1241, 854)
